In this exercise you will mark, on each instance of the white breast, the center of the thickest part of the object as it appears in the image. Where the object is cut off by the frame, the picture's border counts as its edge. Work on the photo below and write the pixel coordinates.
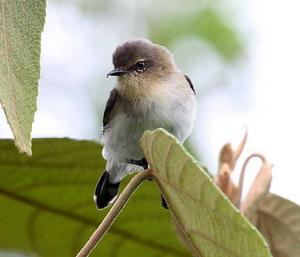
(173, 109)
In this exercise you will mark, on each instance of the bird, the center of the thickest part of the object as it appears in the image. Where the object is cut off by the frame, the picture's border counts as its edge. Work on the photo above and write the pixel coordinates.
(150, 92)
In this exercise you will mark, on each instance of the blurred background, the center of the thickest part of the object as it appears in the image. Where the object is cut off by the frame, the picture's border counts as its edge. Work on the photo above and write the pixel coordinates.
(242, 56)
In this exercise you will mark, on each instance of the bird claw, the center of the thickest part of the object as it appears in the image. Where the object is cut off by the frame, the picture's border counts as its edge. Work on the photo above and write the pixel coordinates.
(143, 162)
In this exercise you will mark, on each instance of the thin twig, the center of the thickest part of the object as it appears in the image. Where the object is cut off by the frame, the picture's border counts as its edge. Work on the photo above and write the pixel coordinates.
(114, 212)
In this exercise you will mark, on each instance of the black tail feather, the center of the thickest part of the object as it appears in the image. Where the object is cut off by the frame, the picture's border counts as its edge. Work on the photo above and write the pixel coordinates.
(105, 191)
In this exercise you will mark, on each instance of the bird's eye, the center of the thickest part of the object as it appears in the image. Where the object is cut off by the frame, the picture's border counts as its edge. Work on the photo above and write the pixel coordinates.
(140, 66)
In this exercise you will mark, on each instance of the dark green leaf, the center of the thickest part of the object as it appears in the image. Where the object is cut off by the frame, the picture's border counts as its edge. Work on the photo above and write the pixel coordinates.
(47, 207)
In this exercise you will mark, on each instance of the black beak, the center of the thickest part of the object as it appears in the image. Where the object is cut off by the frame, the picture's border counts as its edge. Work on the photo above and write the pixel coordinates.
(117, 72)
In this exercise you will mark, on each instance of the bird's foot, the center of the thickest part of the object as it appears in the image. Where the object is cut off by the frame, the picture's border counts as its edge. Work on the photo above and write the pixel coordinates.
(164, 203)
(143, 162)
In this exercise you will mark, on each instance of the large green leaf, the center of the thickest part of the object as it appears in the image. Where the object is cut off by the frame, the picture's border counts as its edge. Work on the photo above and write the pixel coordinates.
(21, 25)
(210, 224)
(46, 205)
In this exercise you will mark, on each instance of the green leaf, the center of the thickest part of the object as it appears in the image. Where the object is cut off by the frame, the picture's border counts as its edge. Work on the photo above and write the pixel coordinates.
(46, 205)
(210, 224)
(278, 219)
(21, 25)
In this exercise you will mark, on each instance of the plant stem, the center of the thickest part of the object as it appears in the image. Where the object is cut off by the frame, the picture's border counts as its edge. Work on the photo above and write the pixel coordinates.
(114, 212)
(242, 175)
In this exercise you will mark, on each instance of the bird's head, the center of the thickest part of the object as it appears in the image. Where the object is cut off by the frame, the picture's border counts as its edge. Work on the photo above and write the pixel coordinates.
(141, 66)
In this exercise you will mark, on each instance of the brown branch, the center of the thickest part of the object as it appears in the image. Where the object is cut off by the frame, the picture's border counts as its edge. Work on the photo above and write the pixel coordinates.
(113, 213)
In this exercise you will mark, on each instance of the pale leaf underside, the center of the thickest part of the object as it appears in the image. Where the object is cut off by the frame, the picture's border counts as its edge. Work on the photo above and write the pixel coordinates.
(21, 25)
(210, 224)
(279, 221)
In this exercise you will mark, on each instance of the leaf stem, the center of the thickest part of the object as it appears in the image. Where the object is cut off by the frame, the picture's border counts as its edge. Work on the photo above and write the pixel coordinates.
(242, 175)
(114, 212)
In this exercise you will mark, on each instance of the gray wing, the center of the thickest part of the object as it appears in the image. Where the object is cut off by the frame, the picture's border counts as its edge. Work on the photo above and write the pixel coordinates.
(190, 83)
(109, 107)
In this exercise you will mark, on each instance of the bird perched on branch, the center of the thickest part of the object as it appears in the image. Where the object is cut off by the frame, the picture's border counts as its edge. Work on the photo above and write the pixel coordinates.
(151, 92)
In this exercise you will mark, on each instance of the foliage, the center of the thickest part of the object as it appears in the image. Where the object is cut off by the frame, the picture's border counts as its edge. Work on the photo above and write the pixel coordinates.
(279, 221)
(47, 207)
(206, 219)
(21, 25)
(275, 217)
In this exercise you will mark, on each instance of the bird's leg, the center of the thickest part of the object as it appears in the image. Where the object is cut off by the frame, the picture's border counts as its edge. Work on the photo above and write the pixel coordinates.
(163, 202)
(142, 162)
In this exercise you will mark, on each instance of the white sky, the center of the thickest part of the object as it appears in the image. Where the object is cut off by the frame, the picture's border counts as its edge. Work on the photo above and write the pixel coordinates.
(268, 103)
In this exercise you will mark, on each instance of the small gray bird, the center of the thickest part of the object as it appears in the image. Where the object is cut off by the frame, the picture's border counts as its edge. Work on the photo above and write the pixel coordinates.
(150, 93)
